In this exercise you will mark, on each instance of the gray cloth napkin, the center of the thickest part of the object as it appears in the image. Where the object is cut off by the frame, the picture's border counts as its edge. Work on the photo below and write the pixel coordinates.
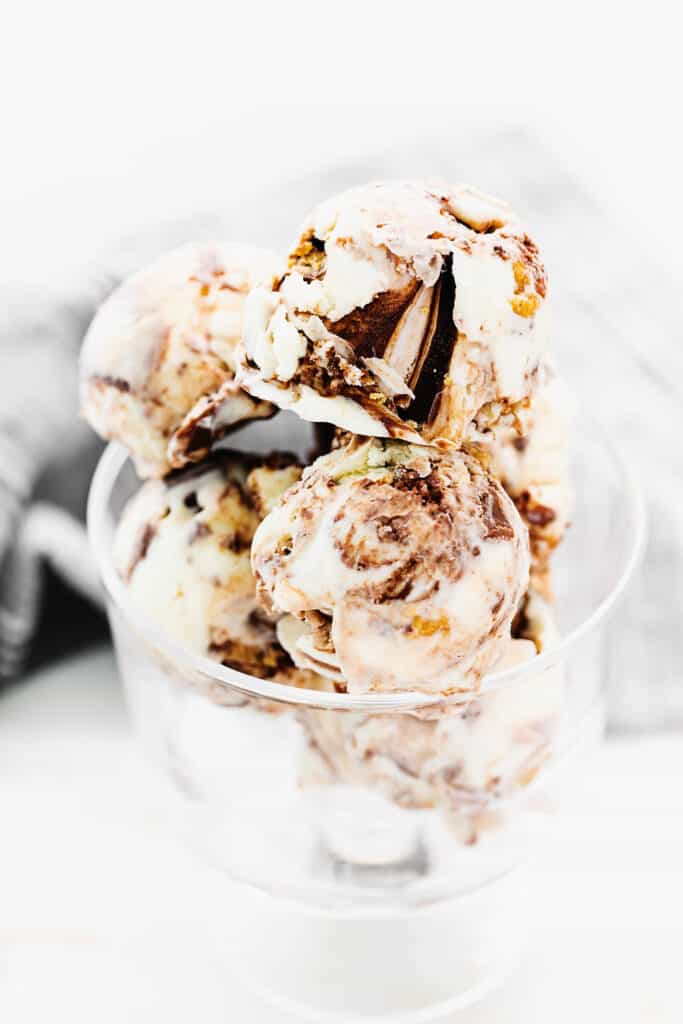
(618, 323)
(40, 435)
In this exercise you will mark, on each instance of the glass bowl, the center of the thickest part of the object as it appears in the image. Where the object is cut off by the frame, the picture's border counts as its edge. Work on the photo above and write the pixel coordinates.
(384, 840)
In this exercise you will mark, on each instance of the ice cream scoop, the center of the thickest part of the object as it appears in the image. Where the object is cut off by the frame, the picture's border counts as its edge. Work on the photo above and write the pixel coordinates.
(413, 310)
(464, 758)
(403, 564)
(534, 469)
(158, 361)
(537, 621)
(530, 459)
(182, 548)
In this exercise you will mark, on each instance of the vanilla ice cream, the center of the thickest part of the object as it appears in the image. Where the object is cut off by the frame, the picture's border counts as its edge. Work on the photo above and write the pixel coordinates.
(182, 548)
(409, 310)
(462, 759)
(404, 564)
(534, 469)
(158, 361)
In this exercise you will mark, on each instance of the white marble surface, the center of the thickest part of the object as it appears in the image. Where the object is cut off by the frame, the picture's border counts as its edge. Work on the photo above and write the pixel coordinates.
(102, 914)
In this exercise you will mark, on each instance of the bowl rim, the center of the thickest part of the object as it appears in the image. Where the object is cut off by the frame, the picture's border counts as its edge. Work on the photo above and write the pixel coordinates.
(104, 478)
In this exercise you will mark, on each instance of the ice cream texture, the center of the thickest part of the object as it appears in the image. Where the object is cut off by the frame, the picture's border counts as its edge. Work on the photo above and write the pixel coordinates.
(158, 362)
(413, 310)
(462, 758)
(403, 565)
(533, 466)
(410, 320)
(182, 548)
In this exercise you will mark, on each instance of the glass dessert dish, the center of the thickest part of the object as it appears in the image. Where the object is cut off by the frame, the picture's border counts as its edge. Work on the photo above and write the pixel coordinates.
(378, 845)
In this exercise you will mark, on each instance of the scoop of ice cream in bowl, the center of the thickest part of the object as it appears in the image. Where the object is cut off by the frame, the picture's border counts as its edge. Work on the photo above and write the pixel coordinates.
(365, 665)
(158, 362)
(406, 309)
(402, 806)
(182, 548)
(406, 566)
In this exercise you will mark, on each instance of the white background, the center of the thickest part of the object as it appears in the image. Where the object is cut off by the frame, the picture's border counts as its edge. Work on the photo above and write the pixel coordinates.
(112, 113)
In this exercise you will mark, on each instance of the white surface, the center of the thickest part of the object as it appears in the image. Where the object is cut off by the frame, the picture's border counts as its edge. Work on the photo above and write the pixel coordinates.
(114, 116)
(101, 913)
